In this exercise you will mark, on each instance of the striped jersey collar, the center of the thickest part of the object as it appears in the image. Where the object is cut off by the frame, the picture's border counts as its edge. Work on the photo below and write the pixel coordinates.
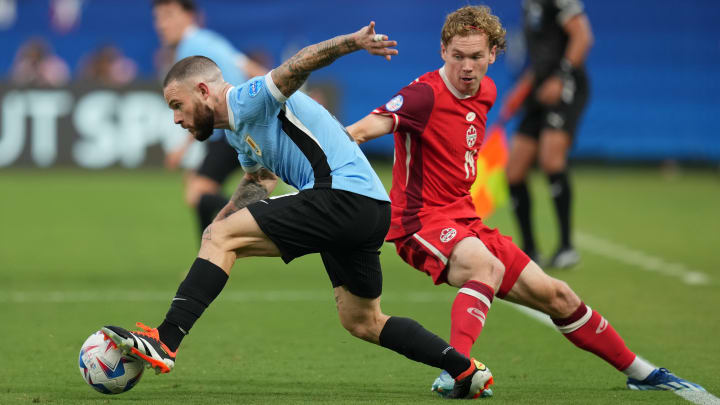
(450, 87)
(231, 116)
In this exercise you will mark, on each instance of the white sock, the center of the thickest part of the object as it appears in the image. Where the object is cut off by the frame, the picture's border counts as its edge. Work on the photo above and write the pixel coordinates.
(640, 369)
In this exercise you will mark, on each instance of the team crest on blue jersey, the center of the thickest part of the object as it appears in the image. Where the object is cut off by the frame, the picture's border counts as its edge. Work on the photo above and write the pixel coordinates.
(395, 103)
(254, 88)
(253, 145)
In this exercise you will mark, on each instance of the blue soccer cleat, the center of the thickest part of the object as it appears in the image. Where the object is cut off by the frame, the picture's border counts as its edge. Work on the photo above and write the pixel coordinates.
(662, 379)
(443, 384)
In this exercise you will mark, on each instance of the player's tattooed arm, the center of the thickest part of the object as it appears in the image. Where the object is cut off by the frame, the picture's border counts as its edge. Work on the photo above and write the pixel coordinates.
(253, 187)
(289, 76)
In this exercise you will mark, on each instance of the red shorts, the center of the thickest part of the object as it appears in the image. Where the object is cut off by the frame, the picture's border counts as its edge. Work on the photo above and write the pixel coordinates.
(429, 249)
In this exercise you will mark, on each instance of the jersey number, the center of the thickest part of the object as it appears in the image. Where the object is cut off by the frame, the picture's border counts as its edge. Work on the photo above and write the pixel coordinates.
(470, 163)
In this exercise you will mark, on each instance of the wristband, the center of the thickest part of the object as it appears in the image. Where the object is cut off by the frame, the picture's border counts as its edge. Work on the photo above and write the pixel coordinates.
(566, 68)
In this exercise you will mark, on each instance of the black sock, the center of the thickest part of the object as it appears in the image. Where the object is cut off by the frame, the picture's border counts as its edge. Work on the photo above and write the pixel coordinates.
(521, 206)
(208, 207)
(200, 287)
(409, 338)
(562, 196)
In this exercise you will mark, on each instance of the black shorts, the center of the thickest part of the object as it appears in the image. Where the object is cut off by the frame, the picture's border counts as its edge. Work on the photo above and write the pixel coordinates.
(347, 229)
(221, 160)
(564, 116)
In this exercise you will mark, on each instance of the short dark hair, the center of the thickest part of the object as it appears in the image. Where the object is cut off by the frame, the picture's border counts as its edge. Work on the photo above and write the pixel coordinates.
(190, 66)
(187, 5)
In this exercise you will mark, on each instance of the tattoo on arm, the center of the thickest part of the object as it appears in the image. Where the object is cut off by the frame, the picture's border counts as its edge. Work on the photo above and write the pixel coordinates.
(249, 191)
(289, 76)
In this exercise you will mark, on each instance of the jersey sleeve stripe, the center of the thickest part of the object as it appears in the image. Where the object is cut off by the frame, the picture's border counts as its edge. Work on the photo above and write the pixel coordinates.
(395, 117)
(252, 169)
(408, 155)
(276, 93)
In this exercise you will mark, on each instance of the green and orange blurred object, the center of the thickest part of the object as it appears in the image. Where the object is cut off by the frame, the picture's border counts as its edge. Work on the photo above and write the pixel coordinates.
(490, 191)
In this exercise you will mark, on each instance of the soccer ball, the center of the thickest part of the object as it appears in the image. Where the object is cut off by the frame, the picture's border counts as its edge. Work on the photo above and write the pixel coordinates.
(105, 368)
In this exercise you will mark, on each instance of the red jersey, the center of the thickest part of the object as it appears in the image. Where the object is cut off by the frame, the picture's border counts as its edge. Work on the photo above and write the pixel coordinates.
(438, 133)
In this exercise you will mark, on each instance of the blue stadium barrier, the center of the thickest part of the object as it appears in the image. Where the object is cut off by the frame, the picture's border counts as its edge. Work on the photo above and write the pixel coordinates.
(655, 66)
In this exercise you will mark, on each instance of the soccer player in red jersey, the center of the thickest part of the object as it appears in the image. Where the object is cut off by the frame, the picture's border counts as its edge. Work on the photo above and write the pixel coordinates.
(439, 123)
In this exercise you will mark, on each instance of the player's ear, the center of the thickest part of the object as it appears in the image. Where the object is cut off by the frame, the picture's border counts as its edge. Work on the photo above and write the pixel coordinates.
(204, 90)
(493, 54)
(443, 50)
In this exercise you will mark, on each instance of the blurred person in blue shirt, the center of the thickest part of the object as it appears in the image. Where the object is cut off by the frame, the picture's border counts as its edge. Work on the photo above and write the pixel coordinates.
(176, 22)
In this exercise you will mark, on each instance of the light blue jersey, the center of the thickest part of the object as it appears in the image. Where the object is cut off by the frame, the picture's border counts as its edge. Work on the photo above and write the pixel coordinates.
(203, 42)
(297, 139)
(199, 41)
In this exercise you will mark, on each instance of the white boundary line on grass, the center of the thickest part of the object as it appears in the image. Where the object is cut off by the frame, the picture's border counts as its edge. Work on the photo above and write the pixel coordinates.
(83, 296)
(57, 297)
(588, 242)
(639, 259)
(696, 397)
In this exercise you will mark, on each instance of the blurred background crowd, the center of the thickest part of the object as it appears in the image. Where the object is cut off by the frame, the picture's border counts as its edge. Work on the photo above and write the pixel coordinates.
(654, 68)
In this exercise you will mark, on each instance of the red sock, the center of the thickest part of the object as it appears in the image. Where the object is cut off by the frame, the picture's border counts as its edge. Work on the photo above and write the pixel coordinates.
(588, 330)
(468, 313)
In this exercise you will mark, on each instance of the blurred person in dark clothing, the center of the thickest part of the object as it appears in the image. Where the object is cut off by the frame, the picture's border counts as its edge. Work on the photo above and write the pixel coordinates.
(37, 65)
(108, 66)
(552, 93)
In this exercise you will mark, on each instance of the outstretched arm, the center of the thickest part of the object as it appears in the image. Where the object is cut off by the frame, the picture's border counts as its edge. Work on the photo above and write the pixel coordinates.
(289, 76)
(253, 187)
(371, 127)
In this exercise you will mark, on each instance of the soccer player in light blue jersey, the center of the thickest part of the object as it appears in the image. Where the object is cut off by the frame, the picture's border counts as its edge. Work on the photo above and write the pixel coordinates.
(176, 25)
(341, 210)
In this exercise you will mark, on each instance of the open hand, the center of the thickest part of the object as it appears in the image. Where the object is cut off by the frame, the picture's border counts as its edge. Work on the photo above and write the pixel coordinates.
(375, 44)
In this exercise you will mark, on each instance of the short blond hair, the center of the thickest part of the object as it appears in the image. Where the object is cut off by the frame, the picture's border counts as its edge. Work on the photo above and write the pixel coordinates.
(469, 20)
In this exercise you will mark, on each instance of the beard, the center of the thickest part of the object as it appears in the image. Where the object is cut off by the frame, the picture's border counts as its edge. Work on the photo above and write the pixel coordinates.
(204, 123)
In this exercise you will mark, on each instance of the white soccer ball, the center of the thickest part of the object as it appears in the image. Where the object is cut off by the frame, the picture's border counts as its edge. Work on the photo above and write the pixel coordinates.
(105, 368)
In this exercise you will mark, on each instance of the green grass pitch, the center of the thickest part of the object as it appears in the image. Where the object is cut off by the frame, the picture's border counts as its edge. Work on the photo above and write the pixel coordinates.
(82, 249)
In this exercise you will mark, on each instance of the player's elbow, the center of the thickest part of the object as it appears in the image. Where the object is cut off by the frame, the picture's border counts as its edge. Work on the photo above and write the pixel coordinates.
(270, 185)
(587, 37)
(590, 39)
(357, 134)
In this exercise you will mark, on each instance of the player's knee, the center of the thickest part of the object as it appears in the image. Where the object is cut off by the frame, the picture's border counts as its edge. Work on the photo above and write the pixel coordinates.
(514, 174)
(360, 331)
(361, 325)
(484, 268)
(216, 238)
(563, 301)
(357, 327)
(552, 162)
(493, 272)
